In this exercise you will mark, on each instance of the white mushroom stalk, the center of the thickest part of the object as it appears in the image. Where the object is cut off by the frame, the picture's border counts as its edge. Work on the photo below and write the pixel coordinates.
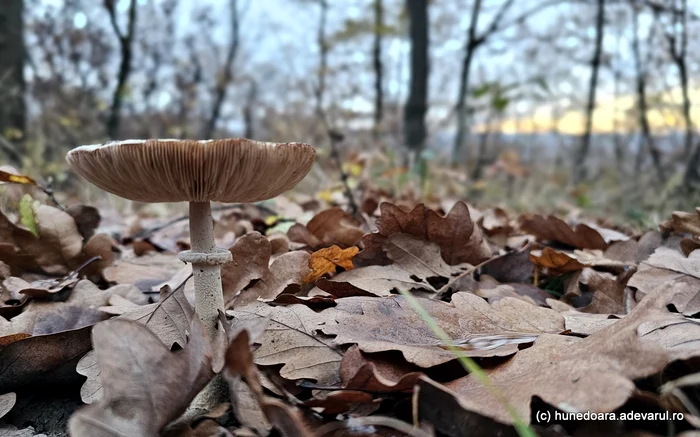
(206, 260)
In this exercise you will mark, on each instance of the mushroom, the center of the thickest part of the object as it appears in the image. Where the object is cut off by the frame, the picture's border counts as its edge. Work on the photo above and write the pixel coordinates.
(198, 172)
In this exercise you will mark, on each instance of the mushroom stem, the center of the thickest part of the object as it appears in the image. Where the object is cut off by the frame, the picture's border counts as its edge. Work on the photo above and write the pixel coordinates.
(206, 261)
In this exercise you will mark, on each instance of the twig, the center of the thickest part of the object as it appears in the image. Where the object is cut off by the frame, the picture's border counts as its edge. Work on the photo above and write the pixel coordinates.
(146, 232)
(48, 190)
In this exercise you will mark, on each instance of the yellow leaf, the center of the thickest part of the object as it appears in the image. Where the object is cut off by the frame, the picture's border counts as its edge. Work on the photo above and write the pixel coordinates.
(16, 179)
(271, 220)
(326, 260)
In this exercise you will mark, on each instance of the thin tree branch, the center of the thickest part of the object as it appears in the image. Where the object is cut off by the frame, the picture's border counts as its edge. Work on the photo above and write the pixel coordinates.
(126, 43)
(222, 82)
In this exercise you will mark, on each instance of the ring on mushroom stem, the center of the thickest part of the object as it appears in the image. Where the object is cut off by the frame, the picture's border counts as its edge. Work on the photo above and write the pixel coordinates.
(168, 170)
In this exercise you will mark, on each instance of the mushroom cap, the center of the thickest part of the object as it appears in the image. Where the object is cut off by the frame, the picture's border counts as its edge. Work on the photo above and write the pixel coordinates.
(164, 170)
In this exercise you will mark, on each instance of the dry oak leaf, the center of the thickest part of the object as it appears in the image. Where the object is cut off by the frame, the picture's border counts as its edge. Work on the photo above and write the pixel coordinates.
(326, 260)
(573, 374)
(239, 364)
(483, 329)
(251, 257)
(683, 222)
(419, 258)
(690, 244)
(666, 266)
(143, 271)
(292, 339)
(146, 386)
(328, 227)
(459, 239)
(371, 281)
(288, 269)
(555, 261)
(57, 250)
(372, 373)
(553, 229)
(169, 319)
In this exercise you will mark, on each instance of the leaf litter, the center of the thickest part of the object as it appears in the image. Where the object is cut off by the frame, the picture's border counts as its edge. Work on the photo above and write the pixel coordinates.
(561, 314)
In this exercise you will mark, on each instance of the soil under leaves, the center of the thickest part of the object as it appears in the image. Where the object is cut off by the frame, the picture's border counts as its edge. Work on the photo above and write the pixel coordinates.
(316, 340)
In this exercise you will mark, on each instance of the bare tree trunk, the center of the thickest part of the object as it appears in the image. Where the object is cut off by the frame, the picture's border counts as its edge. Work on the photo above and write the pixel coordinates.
(469, 49)
(13, 109)
(248, 117)
(323, 59)
(580, 169)
(223, 82)
(378, 68)
(647, 140)
(417, 102)
(126, 45)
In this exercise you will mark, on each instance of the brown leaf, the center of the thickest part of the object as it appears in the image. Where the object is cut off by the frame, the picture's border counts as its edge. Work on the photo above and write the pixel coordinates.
(371, 281)
(87, 219)
(101, 245)
(239, 363)
(325, 261)
(11, 178)
(145, 385)
(683, 222)
(291, 339)
(378, 325)
(359, 371)
(514, 266)
(251, 256)
(460, 241)
(145, 271)
(339, 402)
(690, 244)
(418, 257)
(667, 266)
(57, 250)
(329, 227)
(288, 269)
(557, 262)
(572, 372)
(555, 230)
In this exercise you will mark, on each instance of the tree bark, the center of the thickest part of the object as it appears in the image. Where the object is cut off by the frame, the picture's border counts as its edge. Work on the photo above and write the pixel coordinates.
(126, 47)
(417, 103)
(378, 68)
(224, 80)
(13, 111)
(580, 169)
(647, 140)
(469, 48)
(322, 60)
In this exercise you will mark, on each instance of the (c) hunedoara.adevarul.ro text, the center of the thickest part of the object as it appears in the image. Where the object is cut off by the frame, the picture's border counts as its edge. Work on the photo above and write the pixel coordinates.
(556, 416)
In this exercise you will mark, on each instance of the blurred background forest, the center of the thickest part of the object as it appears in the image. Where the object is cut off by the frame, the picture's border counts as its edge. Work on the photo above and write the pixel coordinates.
(533, 104)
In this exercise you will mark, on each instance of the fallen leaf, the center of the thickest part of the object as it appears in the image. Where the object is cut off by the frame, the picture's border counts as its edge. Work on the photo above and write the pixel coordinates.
(145, 271)
(87, 219)
(330, 227)
(291, 339)
(666, 266)
(251, 256)
(288, 269)
(683, 222)
(371, 281)
(239, 364)
(570, 373)
(557, 262)
(146, 386)
(57, 250)
(360, 371)
(419, 258)
(11, 178)
(378, 325)
(554, 229)
(325, 261)
(460, 241)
